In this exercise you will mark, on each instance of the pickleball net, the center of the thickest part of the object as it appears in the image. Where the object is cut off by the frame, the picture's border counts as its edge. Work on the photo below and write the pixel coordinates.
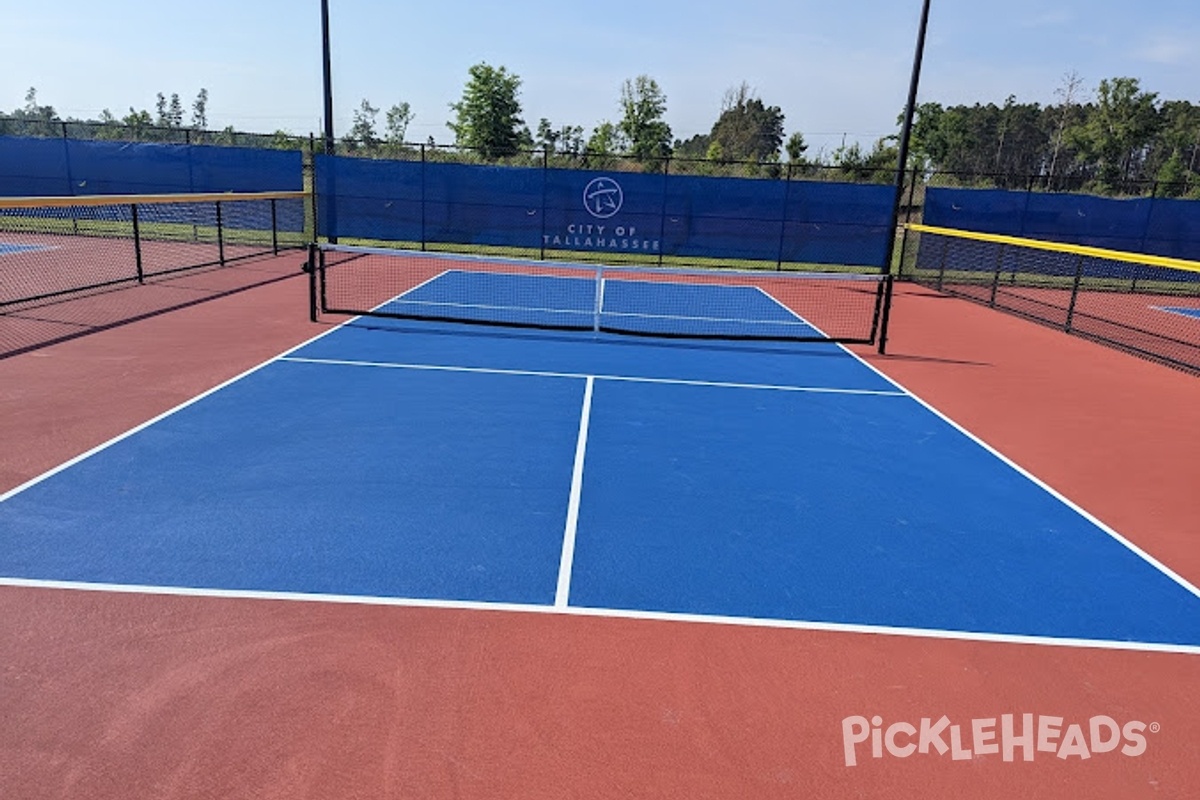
(711, 303)
(1144, 304)
(52, 247)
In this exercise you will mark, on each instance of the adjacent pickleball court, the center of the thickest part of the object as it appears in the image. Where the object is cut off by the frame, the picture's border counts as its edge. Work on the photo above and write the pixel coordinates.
(551, 464)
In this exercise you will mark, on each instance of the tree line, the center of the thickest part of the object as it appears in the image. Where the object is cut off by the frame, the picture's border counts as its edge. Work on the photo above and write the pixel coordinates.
(1120, 139)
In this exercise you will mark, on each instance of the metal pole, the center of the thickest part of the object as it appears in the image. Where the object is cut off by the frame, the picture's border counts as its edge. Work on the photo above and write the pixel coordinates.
(328, 76)
(906, 135)
(327, 71)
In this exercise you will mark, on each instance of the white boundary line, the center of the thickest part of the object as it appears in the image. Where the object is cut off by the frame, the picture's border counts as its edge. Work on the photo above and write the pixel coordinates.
(575, 611)
(563, 592)
(609, 613)
(624, 378)
(1139, 552)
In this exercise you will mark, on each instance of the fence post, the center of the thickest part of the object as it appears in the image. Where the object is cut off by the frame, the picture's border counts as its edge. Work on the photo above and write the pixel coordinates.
(545, 178)
(662, 218)
(423, 162)
(783, 215)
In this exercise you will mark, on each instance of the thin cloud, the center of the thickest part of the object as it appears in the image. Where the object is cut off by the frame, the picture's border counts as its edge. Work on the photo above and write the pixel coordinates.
(1169, 49)
(1048, 19)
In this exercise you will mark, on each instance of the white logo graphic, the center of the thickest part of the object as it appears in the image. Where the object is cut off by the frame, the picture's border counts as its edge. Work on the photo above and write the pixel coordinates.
(602, 197)
(1008, 736)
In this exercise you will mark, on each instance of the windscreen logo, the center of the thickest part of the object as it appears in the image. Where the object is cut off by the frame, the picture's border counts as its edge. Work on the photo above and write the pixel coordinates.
(602, 197)
(1008, 736)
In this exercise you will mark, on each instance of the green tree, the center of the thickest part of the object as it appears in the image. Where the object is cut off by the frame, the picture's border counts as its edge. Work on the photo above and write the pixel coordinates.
(796, 148)
(747, 130)
(1063, 117)
(200, 110)
(1174, 156)
(362, 132)
(138, 123)
(34, 110)
(488, 117)
(693, 147)
(1121, 124)
(397, 120)
(877, 166)
(565, 139)
(603, 145)
(643, 105)
(175, 112)
(160, 110)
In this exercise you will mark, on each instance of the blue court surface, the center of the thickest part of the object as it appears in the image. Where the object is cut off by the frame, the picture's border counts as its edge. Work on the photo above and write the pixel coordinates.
(585, 302)
(414, 462)
(8, 248)
(1194, 313)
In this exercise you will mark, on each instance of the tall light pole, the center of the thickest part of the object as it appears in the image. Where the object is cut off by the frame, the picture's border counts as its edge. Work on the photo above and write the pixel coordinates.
(328, 71)
(906, 135)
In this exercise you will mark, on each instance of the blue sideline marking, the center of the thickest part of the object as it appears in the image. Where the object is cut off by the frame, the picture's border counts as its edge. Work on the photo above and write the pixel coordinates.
(1194, 313)
(9, 248)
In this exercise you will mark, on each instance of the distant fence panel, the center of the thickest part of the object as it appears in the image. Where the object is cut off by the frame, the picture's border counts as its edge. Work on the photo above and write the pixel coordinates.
(1156, 226)
(38, 167)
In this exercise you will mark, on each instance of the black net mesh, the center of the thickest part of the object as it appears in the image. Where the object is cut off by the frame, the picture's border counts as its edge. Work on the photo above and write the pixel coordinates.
(69, 266)
(645, 301)
(1142, 304)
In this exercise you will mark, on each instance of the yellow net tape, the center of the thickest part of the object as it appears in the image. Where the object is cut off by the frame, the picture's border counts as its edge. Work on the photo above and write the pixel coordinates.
(1058, 247)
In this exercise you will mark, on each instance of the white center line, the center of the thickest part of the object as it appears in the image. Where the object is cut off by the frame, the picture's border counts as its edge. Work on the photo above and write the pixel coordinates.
(562, 595)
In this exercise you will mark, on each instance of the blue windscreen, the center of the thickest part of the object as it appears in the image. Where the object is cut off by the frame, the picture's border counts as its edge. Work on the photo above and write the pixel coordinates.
(54, 167)
(1165, 227)
(603, 212)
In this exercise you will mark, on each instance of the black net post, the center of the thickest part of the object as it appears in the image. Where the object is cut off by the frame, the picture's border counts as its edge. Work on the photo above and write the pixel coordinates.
(941, 278)
(1074, 293)
(996, 274)
(886, 314)
(220, 236)
(311, 268)
(137, 244)
(274, 229)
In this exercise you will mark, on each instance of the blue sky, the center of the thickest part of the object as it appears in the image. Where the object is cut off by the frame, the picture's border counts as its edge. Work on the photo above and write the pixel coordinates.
(836, 69)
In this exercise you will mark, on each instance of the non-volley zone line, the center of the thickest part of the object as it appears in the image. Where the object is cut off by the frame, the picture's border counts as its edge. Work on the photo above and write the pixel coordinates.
(601, 613)
(345, 362)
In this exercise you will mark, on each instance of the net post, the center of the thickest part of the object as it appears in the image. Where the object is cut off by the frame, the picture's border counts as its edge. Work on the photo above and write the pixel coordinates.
(137, 245)
(274, 229)
(311, 268)
(598, 303)
(1074, 293)
(996, 274)
(322, 302)
(886, 313)
(941, 278)
(220, 236)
